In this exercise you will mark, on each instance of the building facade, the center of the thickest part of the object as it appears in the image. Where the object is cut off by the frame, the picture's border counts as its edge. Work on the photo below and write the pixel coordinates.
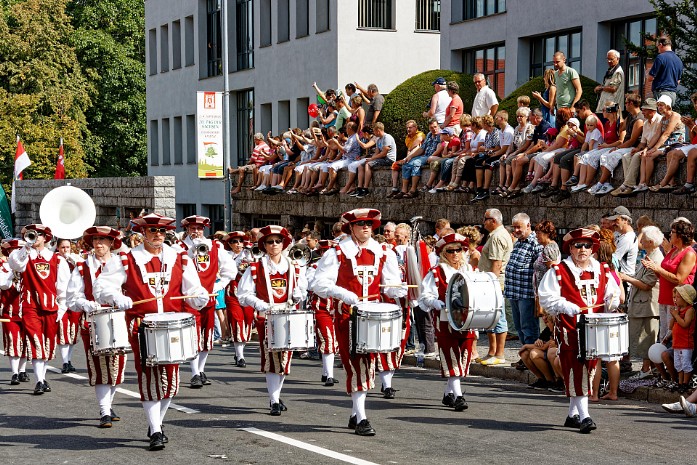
(276, 50)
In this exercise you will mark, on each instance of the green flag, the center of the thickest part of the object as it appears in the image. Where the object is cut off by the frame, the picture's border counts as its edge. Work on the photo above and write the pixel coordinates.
(6, 229)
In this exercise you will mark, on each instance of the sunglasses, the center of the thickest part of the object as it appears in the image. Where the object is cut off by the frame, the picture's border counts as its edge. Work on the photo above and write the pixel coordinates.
(363, 223)
(235, 241)
(486, 218)
(274, 241)
(156, 230)
(451, 251)
(582, 245)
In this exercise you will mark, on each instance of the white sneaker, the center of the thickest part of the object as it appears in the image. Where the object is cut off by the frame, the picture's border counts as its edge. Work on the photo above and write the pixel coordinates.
(433, 191)
(527, 189)
(641, 188)
(604, 189)
(675, 407)
(641, 375)
(688, 407)
(593, 190)
(578, 188)
(261, 188)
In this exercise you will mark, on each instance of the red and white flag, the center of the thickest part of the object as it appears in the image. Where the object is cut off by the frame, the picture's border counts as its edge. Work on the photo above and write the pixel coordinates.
(21, 162)
(60, 164)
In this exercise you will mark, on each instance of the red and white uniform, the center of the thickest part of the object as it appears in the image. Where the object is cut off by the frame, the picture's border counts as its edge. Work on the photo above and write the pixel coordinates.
(69, 325)
(393, 360)
(141, 275)
(12, 332)
(565, 291)
(215, 266)
(325, 309)
(264, 285)
(347, 271)
(45, 277)
(454, 347)
(101, 369)
(241, 318)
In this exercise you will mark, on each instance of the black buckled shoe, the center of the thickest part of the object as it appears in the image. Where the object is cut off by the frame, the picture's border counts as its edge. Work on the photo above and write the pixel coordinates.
(364, 428)
(156, 442)
(573, 422)
(448, 400)
(65, 369)
(71, 368)
(114, 416)
(324, 379)
(196, 382)
(460, 404)
(39, 389)
(23, 377)
(587, 425)
(105, 421)
(352, 422)
(241, 363)
(275, 409)
(15, 380)
(47, 388)
(204, 379)
(165, 439)
(389, 393)
(283, 406)
(330, 382)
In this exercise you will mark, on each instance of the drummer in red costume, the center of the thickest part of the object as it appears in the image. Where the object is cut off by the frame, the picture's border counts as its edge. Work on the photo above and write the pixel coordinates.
(12, 331)
(105, 371)
(324, 309)
(578, 285)
(240, 318)
(215, 270)
(273, 281)
(152, 269)
(69, 325)
(350, 273)
(455, 347)
(45, 277)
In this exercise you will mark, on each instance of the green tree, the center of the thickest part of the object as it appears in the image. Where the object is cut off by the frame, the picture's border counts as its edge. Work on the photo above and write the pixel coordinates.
(43, 92)
(110, 44)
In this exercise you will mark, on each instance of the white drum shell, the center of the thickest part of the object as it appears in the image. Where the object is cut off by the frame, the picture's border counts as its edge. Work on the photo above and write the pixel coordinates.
(290, 330)
(378, 328)
(606, 335)
(483, 297)
(108, 332)
(170, 338)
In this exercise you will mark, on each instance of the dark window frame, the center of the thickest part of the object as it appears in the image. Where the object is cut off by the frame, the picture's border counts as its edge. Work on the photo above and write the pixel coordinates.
(496, 76)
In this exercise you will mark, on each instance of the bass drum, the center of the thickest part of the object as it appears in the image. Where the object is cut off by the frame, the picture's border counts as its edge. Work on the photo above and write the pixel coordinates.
(473, 301)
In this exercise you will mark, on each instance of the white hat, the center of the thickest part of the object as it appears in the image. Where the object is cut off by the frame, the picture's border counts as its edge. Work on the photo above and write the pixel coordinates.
(666, 100)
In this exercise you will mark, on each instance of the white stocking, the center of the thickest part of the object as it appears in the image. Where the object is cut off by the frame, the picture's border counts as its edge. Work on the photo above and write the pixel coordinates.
(273, 387)
(202, 357)
(103, 392)
(573, 407)
(71, 347)
(152, 413)
(14, 365)
(457, 388)
(23, 365)
(194, 366)
(448, 386)
(328, 365)
(239, 350)
(164, 405)
(386, 378)
(582, 404)
(112, 393)
(65, 352)
(358, 399)
(39, 370)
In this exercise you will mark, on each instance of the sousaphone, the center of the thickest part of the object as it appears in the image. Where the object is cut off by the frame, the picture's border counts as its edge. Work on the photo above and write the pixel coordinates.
(68, 211)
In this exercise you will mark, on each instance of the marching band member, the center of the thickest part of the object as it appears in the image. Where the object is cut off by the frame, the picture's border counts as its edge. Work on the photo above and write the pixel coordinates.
(152, 269)
(324, 308)
(240, 318)
(350, 273)
(45, 277)
(105, 371)
(13, 334)
(578, 285)
(215, 270)
(68, 326)
(268, 283)
(455, 347)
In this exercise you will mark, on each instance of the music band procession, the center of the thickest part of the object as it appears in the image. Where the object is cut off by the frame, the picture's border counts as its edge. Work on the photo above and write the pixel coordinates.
(156, 303)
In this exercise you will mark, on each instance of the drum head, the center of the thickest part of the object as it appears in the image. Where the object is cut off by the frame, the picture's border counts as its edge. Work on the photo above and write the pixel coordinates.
(457, 301)
(377, 307)
(166, 317)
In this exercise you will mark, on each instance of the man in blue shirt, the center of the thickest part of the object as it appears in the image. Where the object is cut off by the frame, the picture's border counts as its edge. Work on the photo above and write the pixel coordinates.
(666, 72)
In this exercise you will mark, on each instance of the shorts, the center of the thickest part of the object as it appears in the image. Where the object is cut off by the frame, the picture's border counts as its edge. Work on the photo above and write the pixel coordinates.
(610, 160)
(265, 169)
(381, 162)
(353, 166)
(501, 325)
(682, 360)
(279, 167)
(592, 157)
(340, 164)
(247, 168)
(686, 148)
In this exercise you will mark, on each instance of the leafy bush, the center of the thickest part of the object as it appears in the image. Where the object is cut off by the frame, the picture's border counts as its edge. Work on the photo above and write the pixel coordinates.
(411, 98)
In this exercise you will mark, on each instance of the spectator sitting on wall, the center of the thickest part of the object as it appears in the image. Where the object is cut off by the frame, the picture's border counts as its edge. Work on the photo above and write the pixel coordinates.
(485, 168)
(333, 144)
(271, 158)
(256, 159)
(676, 156)
(528, 139)
(349, 152)
(462, 155)
(411, 170)
(412, 141)
(449, 143)
(612, 137)
(384, 155)
(357, 111)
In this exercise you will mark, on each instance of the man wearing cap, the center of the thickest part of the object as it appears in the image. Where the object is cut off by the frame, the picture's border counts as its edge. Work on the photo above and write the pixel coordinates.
(240, 318)
(485, 102)
(271, 283)
(577, 285)
(45, 277)
(625, 240)
(13, 334)
(215, 271)
(439, 102)
(105, 371)
(350, 273)
(160, 274)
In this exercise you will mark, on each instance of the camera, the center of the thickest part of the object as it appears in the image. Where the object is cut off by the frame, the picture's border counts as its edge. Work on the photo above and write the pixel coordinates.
(612, 108)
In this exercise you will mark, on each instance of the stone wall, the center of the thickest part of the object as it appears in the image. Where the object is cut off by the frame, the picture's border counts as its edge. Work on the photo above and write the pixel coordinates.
(113, 197)
(579, 210)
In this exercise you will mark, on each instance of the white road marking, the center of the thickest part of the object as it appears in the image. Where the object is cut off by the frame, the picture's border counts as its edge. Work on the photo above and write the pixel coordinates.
(309, 447)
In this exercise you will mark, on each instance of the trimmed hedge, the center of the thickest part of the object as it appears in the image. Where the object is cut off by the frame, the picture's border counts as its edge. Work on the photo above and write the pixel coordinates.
(510, 103)
(411, 98)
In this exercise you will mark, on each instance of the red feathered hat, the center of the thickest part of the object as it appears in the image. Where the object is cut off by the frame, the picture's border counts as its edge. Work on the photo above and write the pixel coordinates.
(271, 230)
(360, 214)
(195, 219)
(102, 231)
(452, 238)
(153, 220)
(580, 234)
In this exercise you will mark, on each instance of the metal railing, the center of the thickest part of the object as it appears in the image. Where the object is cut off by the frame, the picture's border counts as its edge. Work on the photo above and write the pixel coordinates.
(428, 15)
(376, 14)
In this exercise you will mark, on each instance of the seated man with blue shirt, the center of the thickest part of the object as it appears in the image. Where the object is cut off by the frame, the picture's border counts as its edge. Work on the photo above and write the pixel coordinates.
(411, 169)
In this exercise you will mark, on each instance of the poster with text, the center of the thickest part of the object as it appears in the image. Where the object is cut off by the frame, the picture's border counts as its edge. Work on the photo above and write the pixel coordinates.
(209, 129)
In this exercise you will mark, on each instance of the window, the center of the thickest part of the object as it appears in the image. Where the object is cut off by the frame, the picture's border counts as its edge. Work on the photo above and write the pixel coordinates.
(164, 48)
(635, 65)
(189, 40)
(154, 137)
(166, 160)
(266, 118)
(302, 119)
(187, 209)
(178, 149)
(471, 9)
(190, 139)
(428, 15)
(245, 34)
(283, 115)
(491, 62)
(152, 50)
(283, 20)
(176, 45)
(376, 14)
(265, 23)
(321, 16)
(302, 18)
(543, 49)
(214, 39)
(245, 125)
(216, 214)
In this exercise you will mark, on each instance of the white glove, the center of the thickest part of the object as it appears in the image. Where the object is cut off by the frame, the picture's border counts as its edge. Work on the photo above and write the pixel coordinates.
(345, 296)
(123, 302)
(262, 307)
(201, 300)
(438, 305)
(297, 296)
(571, 308)
(90, 306)
(61, 312)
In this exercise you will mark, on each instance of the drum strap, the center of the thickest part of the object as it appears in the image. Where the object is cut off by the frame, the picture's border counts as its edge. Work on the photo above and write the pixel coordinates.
(581, 329)
(143, 344)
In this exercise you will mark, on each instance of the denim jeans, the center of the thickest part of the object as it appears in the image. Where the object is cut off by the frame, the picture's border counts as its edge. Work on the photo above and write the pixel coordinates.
(413, 167)
(524, 319)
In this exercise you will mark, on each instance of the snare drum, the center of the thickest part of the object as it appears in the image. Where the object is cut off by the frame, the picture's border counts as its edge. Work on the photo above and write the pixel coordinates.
(473, 301)
(376, 328)
(169, 338)
(108, 331)
(603, 335)
(290, 330)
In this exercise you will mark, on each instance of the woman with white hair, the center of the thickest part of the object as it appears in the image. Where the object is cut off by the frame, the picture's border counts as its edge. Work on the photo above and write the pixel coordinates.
(642, 304)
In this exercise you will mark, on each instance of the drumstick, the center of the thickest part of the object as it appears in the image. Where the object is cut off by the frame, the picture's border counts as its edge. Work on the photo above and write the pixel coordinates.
(592, 306)
(147, 300)
(171, 298)
(180, 297)
(5, 320)
(399, 285)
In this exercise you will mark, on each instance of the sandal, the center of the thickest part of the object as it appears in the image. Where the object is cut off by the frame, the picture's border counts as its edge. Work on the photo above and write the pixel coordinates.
(464, 190)
(410, 195)
(668, 188)
(425, 188)
(514, 193)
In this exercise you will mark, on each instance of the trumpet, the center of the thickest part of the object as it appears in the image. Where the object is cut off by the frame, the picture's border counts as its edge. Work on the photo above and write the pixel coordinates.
(300, 254)
(201, 249)
(257, 253)
(30, 237)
